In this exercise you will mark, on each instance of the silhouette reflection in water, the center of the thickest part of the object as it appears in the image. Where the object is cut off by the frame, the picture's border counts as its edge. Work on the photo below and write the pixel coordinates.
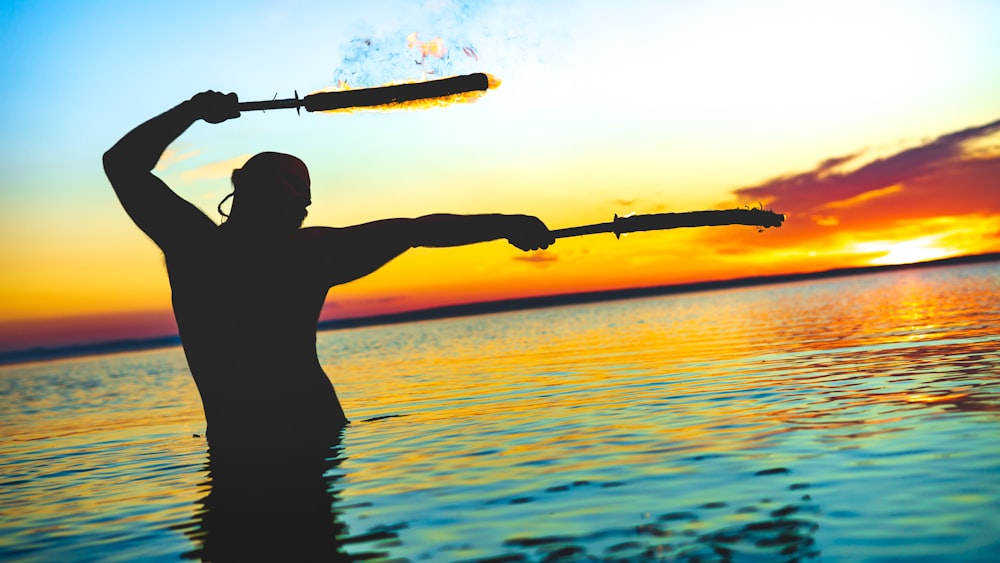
(271, 503)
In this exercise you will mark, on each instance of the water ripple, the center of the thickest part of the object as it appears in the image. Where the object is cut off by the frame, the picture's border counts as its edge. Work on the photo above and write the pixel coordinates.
(846, 419)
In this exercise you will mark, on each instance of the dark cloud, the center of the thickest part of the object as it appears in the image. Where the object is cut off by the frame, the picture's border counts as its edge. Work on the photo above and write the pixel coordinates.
(370, 301)
(941, 178)
(810, 191)
(836, 161)
(541, 258)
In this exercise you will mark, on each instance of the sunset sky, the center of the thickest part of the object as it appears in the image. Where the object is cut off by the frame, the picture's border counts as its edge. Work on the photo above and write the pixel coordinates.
(873, 126)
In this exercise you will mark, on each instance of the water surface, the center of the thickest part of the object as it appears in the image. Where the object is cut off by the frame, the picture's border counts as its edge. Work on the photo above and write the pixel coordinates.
(847, 419)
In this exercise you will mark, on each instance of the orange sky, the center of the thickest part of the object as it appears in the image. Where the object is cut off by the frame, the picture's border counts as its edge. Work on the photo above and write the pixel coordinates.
(933, 200)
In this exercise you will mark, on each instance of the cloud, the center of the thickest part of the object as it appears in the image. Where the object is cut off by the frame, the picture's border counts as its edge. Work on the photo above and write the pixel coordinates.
(370, 301)
(172, 156)
(212, 170)
(825, 186)
(540, 258)
(947, 188)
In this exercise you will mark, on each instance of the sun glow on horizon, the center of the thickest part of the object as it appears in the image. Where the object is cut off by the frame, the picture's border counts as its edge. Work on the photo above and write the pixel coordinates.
(911, 251)
(929, 239)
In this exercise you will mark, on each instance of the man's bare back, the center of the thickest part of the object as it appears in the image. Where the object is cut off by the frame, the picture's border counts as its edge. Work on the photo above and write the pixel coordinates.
(247, 294)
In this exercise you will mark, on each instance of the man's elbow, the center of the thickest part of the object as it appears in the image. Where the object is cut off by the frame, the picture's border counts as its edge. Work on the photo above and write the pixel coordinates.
(119, 165)
(113, 162)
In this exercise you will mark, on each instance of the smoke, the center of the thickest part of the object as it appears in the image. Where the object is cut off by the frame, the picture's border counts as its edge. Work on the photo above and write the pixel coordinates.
(474, 37)
(375, 60)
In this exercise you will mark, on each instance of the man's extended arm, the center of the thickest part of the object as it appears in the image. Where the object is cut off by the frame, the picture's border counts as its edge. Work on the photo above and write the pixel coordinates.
(354, 252)
(442, 230)
(163, 215)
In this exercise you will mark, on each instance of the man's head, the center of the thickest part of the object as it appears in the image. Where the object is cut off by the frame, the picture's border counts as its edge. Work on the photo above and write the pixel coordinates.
(272, 189)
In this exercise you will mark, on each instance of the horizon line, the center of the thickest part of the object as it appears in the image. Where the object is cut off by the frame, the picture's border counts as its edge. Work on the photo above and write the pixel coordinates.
(46, 353)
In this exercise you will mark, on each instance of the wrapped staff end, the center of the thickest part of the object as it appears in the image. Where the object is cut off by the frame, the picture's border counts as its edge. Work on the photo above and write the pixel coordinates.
(760, 218)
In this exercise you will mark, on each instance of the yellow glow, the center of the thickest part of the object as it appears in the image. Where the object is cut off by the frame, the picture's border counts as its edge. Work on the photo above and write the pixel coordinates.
(866, 196)
(924, 398)
(906, 252)
(927, 239)
(213, 170)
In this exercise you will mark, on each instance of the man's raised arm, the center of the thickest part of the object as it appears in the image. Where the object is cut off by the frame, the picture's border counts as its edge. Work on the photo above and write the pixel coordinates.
(163, 215)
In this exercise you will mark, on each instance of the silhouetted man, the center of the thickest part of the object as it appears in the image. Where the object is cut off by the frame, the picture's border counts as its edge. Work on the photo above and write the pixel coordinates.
(247, 293)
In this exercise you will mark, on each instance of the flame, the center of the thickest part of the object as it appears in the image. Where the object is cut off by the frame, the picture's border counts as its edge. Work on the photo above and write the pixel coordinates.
(433, 48)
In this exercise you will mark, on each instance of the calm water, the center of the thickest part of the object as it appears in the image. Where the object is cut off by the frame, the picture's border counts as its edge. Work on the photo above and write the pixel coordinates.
(839, 420)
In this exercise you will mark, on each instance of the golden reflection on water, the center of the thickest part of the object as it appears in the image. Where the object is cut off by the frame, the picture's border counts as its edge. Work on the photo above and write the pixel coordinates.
(101, 438)
(730, 372)
(790, 419)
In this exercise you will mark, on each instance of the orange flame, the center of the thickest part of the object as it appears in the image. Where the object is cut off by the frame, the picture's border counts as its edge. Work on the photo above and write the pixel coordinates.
(433, 48)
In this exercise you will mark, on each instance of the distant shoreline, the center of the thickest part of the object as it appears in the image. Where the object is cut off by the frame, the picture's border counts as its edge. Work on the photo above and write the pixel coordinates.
(490, 307)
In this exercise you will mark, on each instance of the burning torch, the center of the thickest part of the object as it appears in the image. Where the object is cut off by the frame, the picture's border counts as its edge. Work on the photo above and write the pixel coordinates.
(455, 88)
